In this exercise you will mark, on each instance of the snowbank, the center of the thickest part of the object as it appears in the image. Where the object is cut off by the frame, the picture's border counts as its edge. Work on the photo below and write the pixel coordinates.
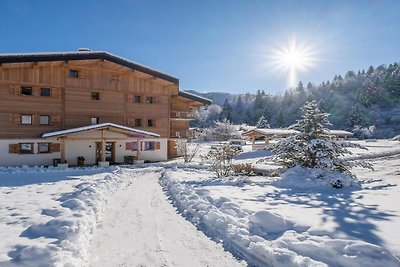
(301, 177)
(266, 239)
(71, 227)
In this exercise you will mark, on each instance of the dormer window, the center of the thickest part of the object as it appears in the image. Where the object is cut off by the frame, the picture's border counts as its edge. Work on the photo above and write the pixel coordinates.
(73, 73)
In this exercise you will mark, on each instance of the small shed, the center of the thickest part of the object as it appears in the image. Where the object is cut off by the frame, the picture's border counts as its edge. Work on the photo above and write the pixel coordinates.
(267, 134)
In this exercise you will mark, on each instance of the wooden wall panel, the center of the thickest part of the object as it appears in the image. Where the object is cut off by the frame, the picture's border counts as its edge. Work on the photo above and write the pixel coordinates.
(72, 103)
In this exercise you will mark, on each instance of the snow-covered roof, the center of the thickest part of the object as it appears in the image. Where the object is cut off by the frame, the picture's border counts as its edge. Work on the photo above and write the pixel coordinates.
(340, 132)
(268, 131)
(98, 126)
(194, 97)
(84, 55)
(290, 132)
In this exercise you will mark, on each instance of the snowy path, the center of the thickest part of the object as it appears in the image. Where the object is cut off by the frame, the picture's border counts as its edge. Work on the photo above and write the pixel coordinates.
(141, 228)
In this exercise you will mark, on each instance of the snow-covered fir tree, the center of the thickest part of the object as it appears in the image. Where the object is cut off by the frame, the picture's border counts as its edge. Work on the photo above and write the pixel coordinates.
(262, 123)
(313, 146)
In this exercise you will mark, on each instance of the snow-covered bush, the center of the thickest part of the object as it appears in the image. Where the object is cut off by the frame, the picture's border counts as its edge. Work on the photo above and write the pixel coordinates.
(220, 159)
(396, 138)
(364, 132)
(244, 168)
(223, 131)
(302, 177)
(313, 146)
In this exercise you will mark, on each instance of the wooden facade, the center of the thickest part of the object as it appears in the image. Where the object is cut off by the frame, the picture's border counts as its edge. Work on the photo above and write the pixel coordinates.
(40, 94)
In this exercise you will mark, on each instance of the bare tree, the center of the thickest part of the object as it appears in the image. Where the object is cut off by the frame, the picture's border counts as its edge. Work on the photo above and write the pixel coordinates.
(220, 159)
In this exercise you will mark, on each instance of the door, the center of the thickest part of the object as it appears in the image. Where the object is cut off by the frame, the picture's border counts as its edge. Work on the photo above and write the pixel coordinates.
(110, 152)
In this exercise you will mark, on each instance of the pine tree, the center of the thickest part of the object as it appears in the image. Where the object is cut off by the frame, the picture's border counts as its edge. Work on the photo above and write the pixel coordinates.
(313, 146)
(281, 119)
(355, 118)
(262, 123)
(226, 113)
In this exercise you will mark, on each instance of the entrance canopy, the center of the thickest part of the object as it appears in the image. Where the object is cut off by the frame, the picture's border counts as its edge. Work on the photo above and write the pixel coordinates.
(102, 132)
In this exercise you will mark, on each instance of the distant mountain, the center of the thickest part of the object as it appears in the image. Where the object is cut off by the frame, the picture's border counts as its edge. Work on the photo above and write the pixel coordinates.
(366, 102)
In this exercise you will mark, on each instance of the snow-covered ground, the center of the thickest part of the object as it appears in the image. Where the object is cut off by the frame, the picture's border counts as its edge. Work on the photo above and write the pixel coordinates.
(161, 215)
(96, 217)
(298, 225)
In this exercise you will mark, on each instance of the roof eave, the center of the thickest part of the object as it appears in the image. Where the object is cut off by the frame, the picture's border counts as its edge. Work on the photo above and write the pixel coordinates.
(46, 57)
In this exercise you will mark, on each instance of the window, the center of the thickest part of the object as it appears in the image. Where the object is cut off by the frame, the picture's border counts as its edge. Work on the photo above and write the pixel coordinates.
(138, 122)
(95, 96)
(26, 119)
(150, 123)
(26, 148)
(45, 92)
(44, 120)
(149, 146)
(73, 73)
(26, 90)
(137, 99)
(133, 146)
(43, 148)
(149, 99)
(94, 120)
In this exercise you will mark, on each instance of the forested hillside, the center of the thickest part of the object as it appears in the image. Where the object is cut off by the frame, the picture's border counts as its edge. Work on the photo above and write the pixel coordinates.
(366, 102)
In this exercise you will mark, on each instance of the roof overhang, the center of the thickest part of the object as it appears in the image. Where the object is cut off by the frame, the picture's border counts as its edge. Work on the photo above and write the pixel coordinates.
(84, 55)
(102, 126)
(193, 97)
(270, 132)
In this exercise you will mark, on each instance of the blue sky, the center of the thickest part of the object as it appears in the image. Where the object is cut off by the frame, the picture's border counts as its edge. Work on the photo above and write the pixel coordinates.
(212, 45)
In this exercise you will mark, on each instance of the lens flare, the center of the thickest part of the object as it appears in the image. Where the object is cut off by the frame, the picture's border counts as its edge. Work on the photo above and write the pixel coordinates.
(293, 58)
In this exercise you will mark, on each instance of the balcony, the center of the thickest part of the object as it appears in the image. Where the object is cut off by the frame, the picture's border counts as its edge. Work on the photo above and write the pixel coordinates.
(182, 115)
(182, 134)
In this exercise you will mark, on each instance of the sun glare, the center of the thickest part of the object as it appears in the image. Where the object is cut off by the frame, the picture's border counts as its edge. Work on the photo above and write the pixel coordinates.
(293, 58)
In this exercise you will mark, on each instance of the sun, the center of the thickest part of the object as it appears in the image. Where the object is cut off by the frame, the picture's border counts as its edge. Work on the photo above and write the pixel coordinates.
(293, 58)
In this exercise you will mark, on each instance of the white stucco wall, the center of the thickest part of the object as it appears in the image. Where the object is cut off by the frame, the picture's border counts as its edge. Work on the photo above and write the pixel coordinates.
(76, 148)
(7, 159)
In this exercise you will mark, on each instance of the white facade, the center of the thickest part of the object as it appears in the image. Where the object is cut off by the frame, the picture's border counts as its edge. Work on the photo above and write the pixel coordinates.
(82, 144)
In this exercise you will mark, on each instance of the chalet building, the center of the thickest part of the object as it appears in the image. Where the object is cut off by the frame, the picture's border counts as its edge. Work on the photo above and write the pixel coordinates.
(89, 107)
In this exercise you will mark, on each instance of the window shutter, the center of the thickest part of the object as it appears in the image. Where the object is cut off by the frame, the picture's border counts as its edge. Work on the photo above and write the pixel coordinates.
(55, 119)
(82, 74)
(54, 147)
(55, 92)
(13, 148)
(15, 89)
(15, 119)
(157, 145)
(129, 146)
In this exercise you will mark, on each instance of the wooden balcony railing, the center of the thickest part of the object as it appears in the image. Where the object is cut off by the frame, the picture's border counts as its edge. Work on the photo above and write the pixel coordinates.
(182, 115)
(182, 134)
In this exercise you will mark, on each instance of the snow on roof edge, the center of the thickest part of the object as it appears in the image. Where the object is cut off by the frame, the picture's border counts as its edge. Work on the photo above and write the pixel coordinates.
(91, 52)
(183, 93)
(95, 126)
